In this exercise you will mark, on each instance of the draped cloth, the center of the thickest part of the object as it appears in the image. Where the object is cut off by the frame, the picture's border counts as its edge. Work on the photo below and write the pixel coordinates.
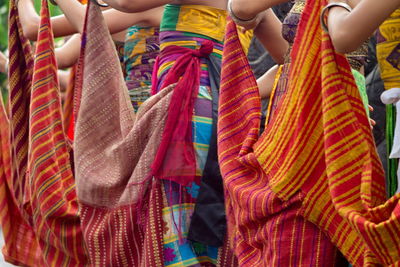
(21, 246)
(120, 202)
(51, 182)
(318, 150)
(20, 81)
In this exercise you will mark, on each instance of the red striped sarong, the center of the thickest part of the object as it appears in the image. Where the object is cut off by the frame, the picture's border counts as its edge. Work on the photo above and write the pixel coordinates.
(317, 153)
(51, 182)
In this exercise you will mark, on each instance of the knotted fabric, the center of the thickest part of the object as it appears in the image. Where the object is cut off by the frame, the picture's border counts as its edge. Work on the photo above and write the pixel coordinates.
(175, 159)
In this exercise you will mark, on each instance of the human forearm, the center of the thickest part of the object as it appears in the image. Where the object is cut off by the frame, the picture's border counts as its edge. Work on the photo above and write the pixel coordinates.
(136, 5)
(30, 21)
(349, 30)
(266, 82)
(246, 9)
(74, 12)
(3, 63)
(269, 32)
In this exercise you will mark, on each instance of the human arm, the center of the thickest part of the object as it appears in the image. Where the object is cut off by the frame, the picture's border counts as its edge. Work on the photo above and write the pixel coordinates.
(116, 21)
(266, 82)
(30, 21)
(136, 5)
(247, 10)
(3, 63)
(348, 30)
(68, 54)
(269, 33)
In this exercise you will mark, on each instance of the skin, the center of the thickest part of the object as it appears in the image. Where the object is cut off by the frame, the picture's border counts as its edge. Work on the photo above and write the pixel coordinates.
(139, 5)
(73, 20)
(3, 61)
(116, 21)
(348, 30)
(266, 82)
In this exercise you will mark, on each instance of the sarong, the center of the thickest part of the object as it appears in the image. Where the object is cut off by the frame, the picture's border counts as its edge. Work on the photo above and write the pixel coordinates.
(388, 54)
(120, 203)
(317, 152)
(51, 190)
(183, 185)
(21, 246)
(140, 52)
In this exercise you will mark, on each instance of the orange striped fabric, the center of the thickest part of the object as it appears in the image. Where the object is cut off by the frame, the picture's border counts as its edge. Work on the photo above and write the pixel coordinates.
(21, 247)
(318, 149)
(51, 182)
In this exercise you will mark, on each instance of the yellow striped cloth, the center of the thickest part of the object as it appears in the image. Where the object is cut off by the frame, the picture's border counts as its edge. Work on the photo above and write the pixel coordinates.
(317, 149)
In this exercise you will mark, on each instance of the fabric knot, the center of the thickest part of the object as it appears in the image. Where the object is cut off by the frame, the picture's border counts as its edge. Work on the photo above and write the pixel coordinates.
(205, 49)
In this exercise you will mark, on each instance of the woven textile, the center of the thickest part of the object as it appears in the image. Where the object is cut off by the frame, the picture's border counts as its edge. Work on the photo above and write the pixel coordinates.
(327, 161)
(113, 151)
(51, 182)
(283, 237)
(140, 52)
(21, 247)
(20, 81)
(183, 38)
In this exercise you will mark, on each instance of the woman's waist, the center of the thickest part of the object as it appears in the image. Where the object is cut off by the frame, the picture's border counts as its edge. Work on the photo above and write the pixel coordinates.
(204, 21)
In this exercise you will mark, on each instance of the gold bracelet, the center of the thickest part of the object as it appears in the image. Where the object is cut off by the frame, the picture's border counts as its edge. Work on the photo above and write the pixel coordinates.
(329, 6)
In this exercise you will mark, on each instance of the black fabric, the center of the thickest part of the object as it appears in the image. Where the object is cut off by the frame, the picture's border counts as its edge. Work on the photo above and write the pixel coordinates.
(208, 224)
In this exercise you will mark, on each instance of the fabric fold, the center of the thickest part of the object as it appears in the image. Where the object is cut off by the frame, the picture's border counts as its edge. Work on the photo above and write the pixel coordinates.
(317, 151)
(51, 183)
(120, 202)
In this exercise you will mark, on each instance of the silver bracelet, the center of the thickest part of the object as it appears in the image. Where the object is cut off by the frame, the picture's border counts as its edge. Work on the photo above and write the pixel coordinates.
(327, 7)
(238, 20)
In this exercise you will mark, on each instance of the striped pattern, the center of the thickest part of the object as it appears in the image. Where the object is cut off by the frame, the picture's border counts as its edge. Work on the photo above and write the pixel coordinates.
(21, 247)
(113, 150)
(20, 81)
(52, 187)
(317, 150)
(278, 235)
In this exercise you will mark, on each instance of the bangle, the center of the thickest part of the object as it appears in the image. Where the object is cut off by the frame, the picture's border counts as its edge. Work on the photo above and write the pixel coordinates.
(329, 6)
(238, 20)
